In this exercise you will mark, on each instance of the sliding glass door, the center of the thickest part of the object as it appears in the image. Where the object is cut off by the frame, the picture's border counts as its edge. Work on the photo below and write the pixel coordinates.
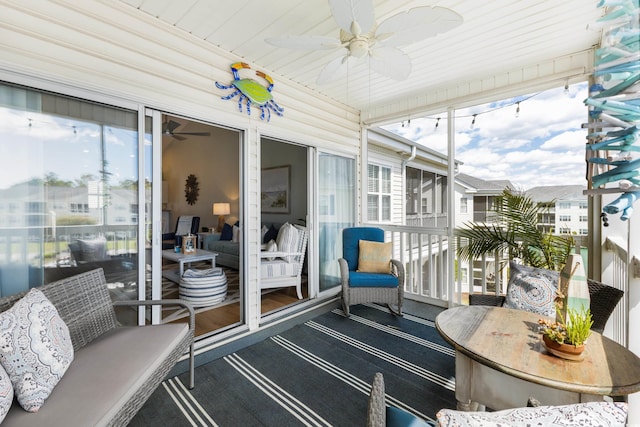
(336, 211)
(68, 191)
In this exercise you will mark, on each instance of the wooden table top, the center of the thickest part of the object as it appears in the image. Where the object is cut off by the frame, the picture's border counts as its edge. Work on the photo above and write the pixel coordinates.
(508, 341)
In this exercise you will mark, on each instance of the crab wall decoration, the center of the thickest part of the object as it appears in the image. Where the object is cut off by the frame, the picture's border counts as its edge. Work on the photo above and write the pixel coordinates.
(252, 91)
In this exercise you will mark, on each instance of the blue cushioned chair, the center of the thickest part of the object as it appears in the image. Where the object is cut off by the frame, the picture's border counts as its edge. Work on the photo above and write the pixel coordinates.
(359, 287)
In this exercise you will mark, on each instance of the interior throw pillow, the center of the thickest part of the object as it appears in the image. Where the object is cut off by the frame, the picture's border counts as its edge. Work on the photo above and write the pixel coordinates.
(374, 257)
(6, 393)
(227, 232)
(532, 289)
(237, 234)
(35, 348)
(272, 246)
(287, 241)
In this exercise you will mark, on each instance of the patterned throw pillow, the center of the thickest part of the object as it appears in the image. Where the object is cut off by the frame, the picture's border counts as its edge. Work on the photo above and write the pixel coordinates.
(591, 414)
(374, 257)
(287, 240)
(532, 289)
(6, 394)
(35, 348)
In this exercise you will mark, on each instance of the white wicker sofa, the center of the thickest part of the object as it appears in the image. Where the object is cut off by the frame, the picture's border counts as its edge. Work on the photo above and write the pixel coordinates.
(115, 368)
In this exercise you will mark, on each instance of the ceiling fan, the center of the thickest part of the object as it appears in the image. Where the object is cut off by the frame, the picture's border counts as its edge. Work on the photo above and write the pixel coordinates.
(169, 127)
(379, 44)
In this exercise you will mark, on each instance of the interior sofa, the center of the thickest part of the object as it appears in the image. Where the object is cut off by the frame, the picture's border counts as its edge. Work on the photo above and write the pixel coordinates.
(114, 368)
(228, 251)
(227, 243)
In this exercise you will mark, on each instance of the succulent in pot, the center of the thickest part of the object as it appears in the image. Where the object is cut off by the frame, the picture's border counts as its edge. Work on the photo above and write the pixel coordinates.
(560, 337)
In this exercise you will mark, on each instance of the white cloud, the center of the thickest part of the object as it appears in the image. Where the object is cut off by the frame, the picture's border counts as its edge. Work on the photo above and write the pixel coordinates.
(544, 145)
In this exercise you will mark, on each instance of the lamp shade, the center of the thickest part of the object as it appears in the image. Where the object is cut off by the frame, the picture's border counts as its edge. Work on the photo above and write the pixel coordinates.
(221, 209)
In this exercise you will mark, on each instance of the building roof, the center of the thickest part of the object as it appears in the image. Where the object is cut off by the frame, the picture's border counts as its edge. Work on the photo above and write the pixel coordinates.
(479, 185)
(548, 193)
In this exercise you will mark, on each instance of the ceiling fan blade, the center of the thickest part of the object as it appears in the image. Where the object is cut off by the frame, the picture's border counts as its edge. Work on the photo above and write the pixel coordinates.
(345, 12)
(334, 69)
(177, 137)
(390, 62)
(304, 42)
(416, 24)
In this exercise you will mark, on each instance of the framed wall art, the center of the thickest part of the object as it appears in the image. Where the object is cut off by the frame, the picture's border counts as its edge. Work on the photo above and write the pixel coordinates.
(275, 191)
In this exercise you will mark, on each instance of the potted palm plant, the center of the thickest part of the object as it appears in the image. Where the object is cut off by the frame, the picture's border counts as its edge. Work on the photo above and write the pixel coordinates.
(514, 229)
(567, 338)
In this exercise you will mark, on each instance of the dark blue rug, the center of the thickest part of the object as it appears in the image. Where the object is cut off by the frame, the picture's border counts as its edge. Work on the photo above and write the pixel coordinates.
(318, 373)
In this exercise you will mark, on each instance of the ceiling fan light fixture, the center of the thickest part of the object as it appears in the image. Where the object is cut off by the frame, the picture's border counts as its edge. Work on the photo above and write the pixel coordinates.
(359, 47)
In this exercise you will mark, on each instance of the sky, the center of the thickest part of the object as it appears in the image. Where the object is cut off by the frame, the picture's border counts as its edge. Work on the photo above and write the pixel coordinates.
(544, 145)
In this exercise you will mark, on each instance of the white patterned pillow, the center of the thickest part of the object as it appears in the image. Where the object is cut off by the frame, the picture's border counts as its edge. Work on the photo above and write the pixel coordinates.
(590, 414)
(35, 348)
(6, 393)
(287, 240)
(532, 289)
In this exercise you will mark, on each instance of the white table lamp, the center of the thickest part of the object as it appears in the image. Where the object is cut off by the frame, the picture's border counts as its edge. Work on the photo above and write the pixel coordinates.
(221, 209)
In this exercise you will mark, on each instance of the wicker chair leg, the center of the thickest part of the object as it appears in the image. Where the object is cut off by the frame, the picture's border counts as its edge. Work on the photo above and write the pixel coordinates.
(345, 307)
(395, 309)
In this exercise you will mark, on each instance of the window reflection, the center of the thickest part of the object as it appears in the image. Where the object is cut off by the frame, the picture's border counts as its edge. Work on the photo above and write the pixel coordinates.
(68, 196)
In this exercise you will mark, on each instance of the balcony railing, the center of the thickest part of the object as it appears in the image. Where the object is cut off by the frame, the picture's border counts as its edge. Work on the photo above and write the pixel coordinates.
(423, 251)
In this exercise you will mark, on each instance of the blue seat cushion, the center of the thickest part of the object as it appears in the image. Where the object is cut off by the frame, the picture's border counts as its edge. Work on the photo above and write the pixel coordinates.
(397, 417)
(372, 280)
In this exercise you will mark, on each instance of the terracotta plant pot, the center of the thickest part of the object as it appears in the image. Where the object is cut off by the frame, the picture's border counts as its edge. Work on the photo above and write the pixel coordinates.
(565, 351)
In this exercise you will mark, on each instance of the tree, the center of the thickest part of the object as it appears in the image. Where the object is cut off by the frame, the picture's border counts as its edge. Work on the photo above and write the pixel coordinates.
(515, 232)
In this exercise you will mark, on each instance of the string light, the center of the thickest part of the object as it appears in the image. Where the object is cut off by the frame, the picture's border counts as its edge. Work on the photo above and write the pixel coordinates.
(566, 88)
(474, 116)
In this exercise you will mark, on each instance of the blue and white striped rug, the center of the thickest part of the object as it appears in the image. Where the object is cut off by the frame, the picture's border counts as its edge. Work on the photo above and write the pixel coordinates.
(317, 374)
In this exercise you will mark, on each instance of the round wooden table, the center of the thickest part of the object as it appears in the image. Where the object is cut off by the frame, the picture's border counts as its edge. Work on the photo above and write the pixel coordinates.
(501, 361)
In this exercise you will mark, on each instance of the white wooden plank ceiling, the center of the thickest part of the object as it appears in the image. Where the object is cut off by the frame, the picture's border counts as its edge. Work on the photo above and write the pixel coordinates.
(496, 36)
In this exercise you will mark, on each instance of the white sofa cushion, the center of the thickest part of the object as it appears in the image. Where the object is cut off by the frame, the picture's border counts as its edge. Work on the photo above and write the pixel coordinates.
(278, 268)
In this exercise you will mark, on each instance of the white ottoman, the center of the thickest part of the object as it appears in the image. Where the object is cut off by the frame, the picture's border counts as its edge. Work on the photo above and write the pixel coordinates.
(203, 287)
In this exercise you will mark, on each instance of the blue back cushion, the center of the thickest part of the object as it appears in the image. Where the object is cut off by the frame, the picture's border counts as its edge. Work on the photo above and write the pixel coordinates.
(351, 242)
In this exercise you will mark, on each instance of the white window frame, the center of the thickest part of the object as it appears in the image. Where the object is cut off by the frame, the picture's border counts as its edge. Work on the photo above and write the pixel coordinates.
(376, 187)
